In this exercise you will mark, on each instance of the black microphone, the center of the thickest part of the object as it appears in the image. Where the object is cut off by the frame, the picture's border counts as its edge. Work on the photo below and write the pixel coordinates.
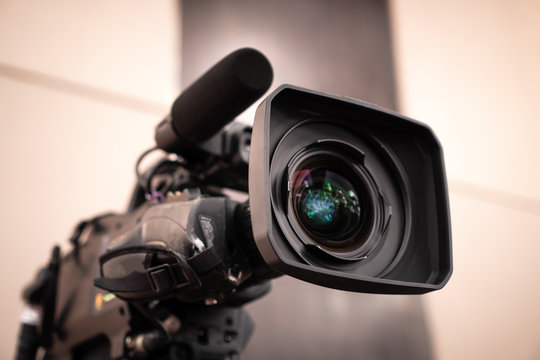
(215, 99)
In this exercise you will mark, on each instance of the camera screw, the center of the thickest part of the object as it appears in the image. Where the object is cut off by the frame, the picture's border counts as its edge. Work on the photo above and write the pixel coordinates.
(171, 324)
(210, 301)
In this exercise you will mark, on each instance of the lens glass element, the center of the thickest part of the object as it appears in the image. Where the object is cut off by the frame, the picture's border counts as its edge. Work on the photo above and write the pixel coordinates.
(326, 205)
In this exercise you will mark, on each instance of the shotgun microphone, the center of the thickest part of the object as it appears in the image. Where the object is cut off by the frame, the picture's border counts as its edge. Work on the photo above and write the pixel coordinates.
(215, 99)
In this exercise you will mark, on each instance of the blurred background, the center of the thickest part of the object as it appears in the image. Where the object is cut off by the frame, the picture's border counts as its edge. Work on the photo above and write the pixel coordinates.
(83, 84)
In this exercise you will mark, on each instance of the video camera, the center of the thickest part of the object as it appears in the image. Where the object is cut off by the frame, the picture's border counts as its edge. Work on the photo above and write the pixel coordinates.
(330, 190)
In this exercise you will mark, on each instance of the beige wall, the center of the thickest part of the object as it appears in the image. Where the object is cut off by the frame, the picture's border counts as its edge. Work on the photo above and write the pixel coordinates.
(76, 77)
(470, 69)
(82, 85)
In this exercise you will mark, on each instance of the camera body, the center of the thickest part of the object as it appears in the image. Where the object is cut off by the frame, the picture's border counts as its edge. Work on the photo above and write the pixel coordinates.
(347, 195)
(329, 190)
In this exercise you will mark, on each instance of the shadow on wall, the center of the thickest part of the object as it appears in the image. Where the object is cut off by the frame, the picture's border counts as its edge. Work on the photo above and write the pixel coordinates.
(300, 320)
(342, 48)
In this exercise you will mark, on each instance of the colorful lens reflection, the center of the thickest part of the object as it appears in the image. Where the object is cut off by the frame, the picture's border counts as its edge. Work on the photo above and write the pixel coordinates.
(326, 204)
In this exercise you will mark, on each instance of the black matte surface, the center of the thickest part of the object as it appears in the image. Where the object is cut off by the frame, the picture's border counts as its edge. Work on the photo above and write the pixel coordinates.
(219, 95)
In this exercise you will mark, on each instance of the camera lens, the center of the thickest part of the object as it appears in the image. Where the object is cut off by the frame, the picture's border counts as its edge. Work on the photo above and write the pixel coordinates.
(326, 205)
(326, 200)
(330, 200)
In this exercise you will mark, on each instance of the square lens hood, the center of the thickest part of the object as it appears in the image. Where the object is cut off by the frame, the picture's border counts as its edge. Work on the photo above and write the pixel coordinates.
(348, 195)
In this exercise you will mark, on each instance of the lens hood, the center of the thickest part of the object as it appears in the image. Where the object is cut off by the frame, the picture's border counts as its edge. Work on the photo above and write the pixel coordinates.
(347, 195)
